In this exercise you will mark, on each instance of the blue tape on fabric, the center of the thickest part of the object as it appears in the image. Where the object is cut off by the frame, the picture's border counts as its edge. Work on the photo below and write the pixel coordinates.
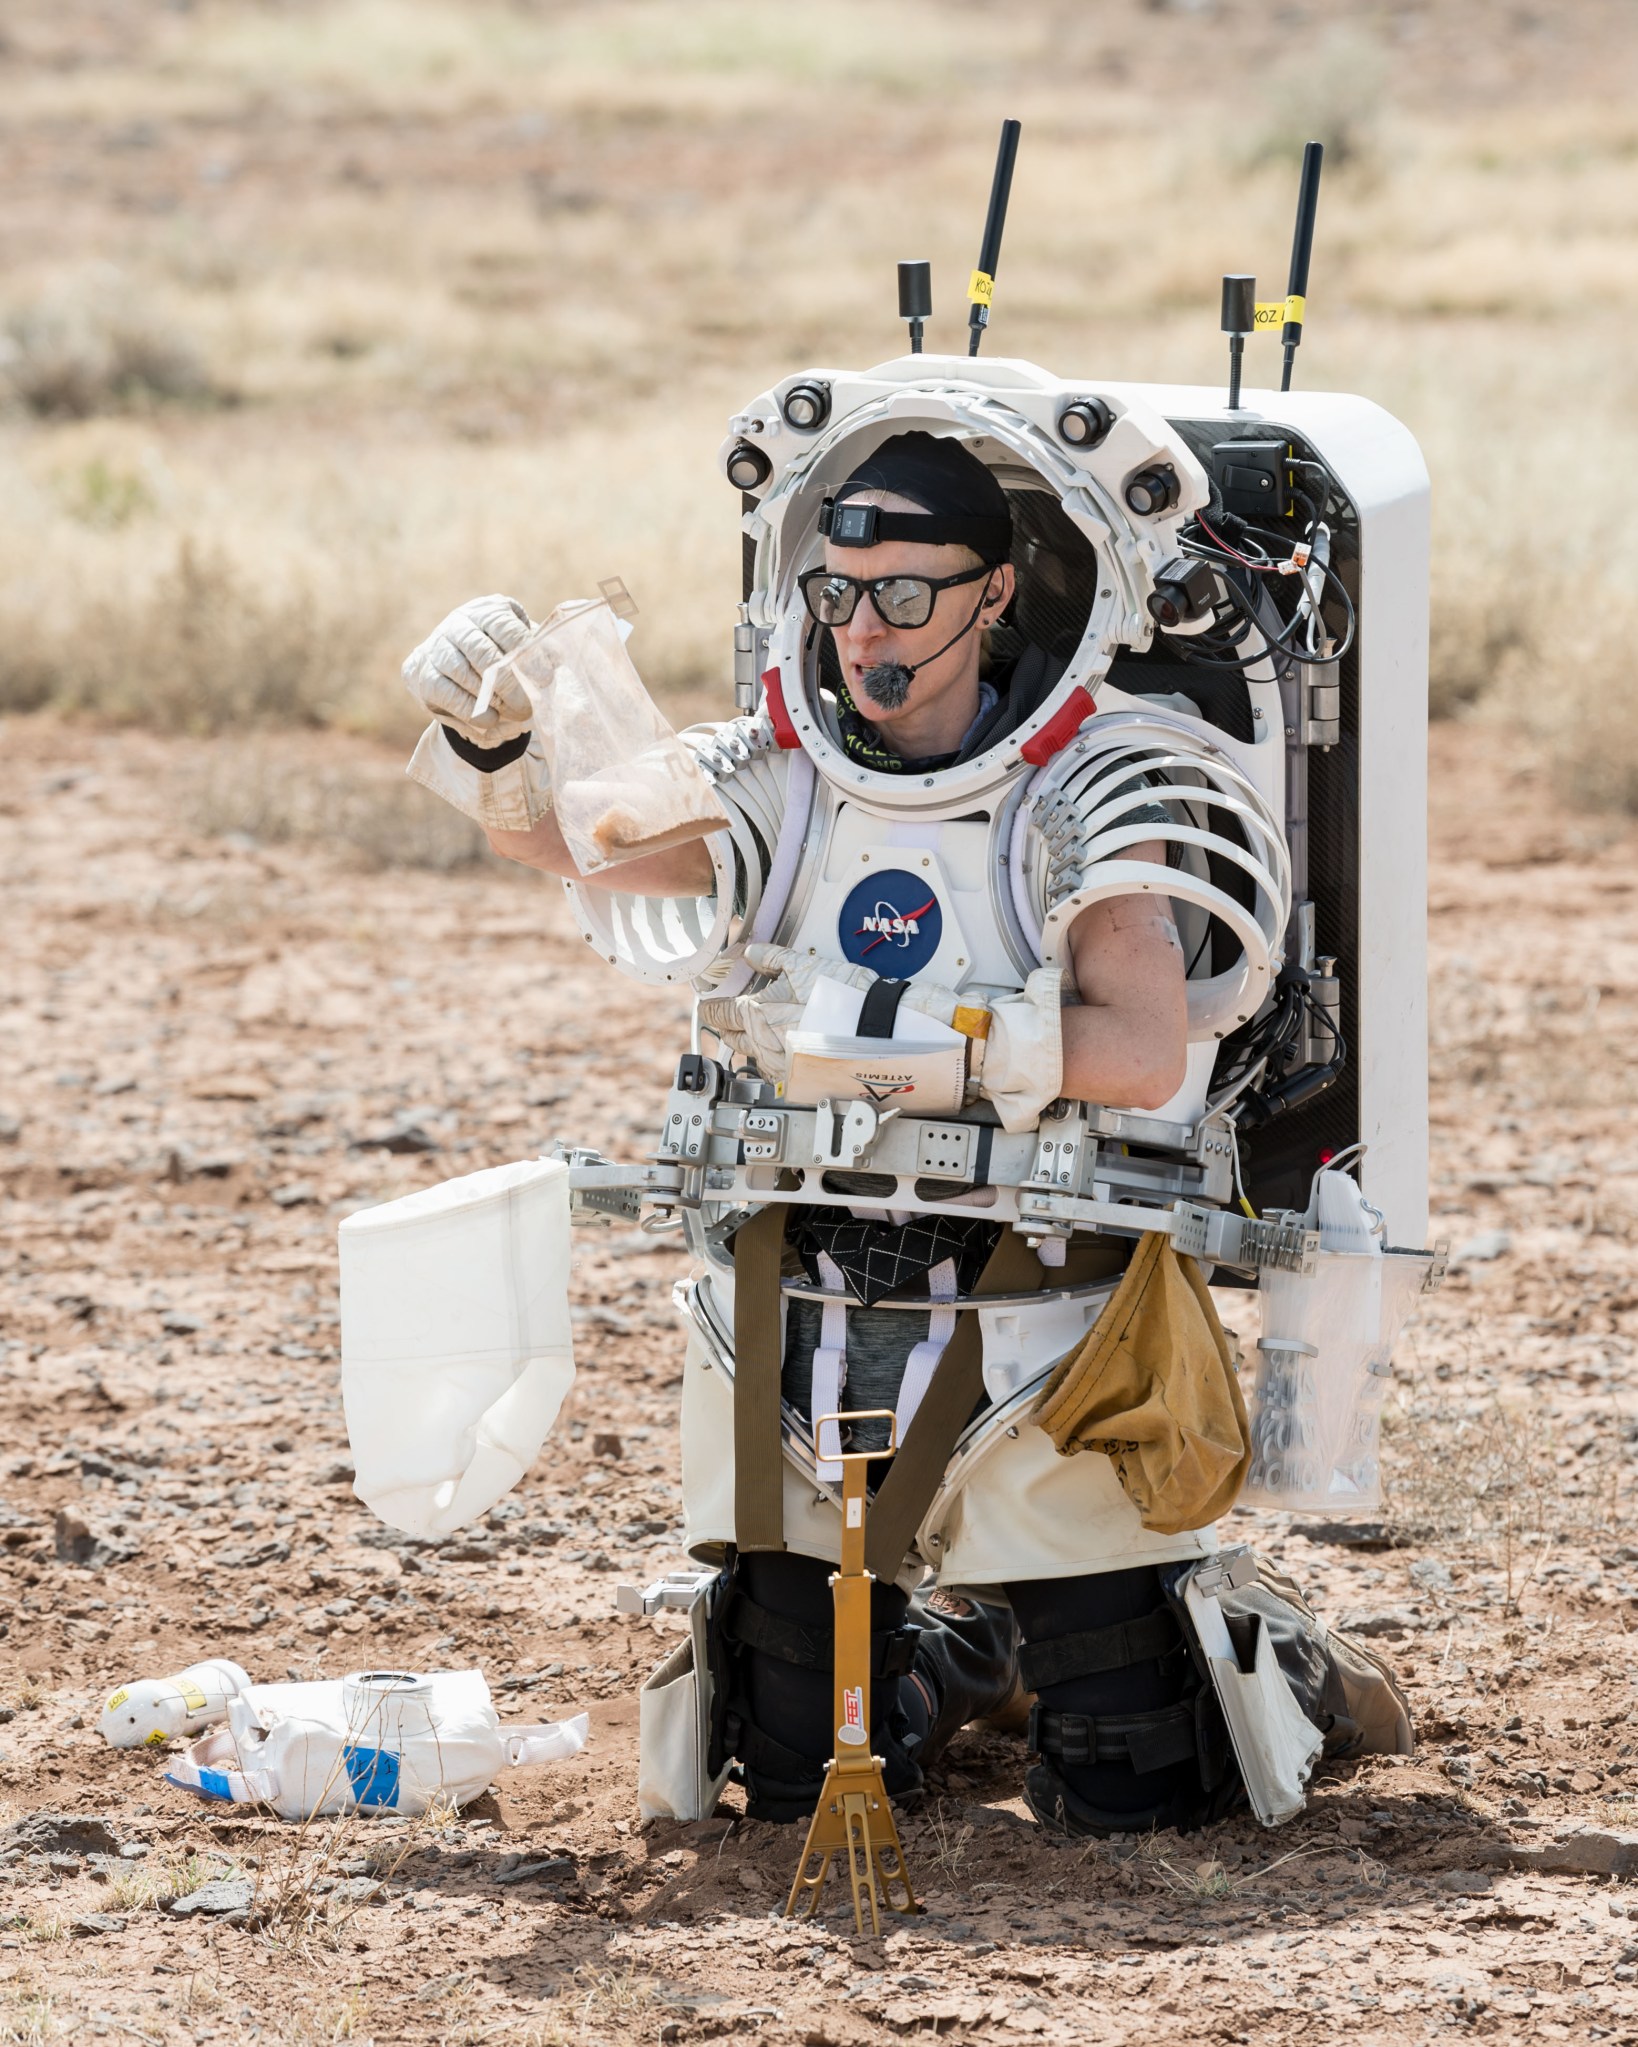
(373, 1774)
(208, 1784)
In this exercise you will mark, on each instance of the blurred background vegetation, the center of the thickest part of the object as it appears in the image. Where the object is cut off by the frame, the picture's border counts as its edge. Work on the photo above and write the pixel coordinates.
(317, 316)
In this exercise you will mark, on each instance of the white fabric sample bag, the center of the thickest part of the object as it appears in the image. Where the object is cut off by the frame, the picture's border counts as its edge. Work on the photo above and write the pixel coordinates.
(456, 1344)
(379, 1741)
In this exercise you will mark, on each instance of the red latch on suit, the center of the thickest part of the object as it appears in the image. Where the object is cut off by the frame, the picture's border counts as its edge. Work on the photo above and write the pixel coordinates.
(1058, 730)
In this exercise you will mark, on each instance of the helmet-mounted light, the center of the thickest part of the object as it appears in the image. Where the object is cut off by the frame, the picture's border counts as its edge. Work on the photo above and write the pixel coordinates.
(1152, 490)
(1085, 423)
(806, 406)
(747, 468)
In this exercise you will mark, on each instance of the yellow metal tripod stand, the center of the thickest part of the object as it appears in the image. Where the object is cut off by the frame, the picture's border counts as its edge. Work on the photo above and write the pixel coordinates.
(853, 1817)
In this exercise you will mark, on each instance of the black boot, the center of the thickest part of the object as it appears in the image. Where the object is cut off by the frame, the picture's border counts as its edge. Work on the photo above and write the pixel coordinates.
(967, 1664)
(775, 1621)
(1126, 1727)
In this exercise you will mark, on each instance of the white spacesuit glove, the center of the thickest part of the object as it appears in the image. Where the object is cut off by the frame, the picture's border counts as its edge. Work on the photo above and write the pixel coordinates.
(445, 673)
(488, 765)
(1019, 1064)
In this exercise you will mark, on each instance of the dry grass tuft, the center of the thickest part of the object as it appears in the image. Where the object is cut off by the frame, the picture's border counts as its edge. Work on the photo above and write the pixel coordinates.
(204, 648)
(96, 350)
(376, 818)
(1333, 92)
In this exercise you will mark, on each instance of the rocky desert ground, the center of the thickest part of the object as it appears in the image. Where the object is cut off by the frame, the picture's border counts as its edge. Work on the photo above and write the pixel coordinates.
(216, 1046)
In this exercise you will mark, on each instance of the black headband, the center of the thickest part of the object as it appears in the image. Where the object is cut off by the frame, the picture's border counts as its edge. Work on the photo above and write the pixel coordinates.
(853, 525)
(963, 504)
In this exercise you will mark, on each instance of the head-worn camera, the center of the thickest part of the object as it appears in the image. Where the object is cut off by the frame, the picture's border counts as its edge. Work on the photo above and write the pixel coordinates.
(850, 524)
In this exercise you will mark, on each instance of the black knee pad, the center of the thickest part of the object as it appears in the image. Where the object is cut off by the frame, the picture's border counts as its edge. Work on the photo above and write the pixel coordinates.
(775, 1677)
(1125, 1724)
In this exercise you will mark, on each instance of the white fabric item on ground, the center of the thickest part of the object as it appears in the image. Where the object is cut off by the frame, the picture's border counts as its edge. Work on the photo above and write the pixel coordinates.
(394, 1742)
(445, 673)
(510, 799)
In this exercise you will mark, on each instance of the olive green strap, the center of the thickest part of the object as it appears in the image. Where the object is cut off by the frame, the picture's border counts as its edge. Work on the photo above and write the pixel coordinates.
(759, 1452)
(946, 1407)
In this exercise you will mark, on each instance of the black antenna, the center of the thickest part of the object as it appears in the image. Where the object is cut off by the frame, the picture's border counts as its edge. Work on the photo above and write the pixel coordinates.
(915, 299)
(981, 286)
(1239, 320)
(1302, 247)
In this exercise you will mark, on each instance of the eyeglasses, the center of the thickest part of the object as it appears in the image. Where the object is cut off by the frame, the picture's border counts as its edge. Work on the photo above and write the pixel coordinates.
(905, 601)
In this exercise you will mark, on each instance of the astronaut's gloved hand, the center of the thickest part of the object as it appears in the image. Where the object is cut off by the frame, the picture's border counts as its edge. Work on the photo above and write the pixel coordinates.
(1019, 1065)
(445, 673)
(755, 1028)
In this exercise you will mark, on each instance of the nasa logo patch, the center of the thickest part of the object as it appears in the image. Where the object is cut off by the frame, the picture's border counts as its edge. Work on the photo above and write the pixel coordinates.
(891, 923)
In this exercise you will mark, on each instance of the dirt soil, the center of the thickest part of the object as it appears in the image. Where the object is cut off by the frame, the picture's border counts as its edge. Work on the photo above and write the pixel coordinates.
(214, 1048)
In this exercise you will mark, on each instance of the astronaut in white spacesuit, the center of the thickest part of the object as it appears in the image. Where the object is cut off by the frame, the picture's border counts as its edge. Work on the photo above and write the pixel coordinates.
(917, 566)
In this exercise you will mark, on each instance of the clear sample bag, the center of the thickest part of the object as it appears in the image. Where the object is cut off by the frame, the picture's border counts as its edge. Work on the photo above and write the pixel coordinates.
(1324, 1360)
(623, 784)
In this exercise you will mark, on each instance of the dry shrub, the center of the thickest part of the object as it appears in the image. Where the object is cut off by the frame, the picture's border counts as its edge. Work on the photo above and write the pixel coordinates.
(1331, 92)
(1569, 688)
(202, 648)
(1463, 1464)
(96, 350)
(375, 817)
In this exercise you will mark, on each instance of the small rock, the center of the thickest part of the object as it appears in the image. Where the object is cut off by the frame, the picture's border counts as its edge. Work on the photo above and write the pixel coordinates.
(548, 1866)
(227, 1087)
(90, 1924)
(1428, 1575)
(63, 1864)
(11, 1127)
(405, 1136)
(1481, 1249)
(1578, 1848)
(55, 1833)
(358, 1890)
(607, 1444)
(224, 1894)
(293, 1194)
(1464, 1883)
(73, 1536)
(1388, 1620)
(121, 1084)
(175, 1323)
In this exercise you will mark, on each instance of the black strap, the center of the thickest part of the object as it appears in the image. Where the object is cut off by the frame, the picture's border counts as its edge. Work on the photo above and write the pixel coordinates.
(811, 1646)
(1091, 1653)
(1148, 1741)
(486, 759)
(981, 1154)
(880, 1007)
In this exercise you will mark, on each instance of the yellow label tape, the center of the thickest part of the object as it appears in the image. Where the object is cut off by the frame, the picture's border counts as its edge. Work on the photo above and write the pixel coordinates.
(193, 1698)
(972, 1023)
(1272, 313)
(980, 288)
(116, 1702)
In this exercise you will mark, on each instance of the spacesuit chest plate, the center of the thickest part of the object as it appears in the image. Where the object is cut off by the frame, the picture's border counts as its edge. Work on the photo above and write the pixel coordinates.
(909, 898)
